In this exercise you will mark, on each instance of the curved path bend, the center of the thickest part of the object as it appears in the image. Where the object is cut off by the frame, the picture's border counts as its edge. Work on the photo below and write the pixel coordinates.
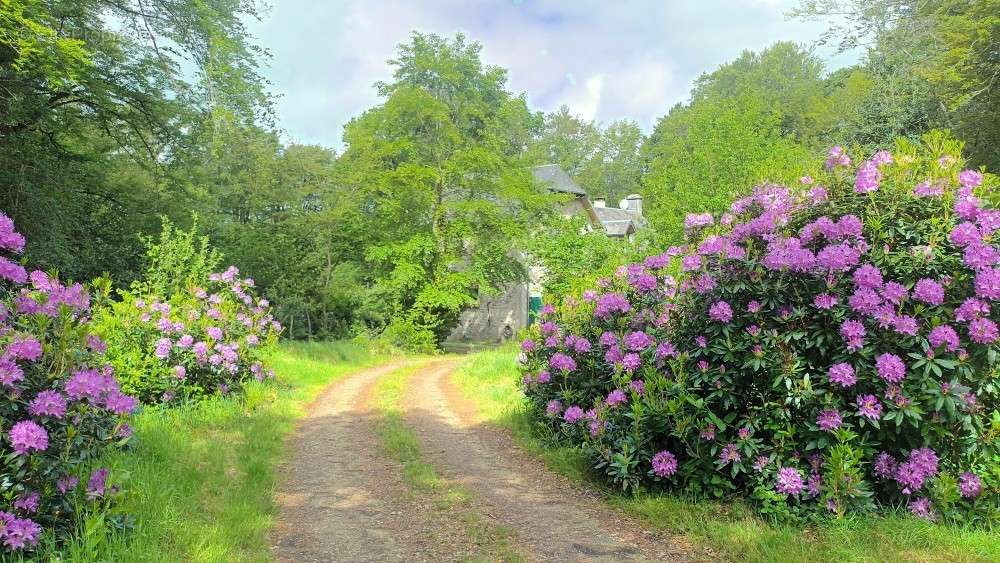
(342, 499)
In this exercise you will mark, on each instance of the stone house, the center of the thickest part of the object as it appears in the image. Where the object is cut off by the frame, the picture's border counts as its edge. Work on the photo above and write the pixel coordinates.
(500, 317)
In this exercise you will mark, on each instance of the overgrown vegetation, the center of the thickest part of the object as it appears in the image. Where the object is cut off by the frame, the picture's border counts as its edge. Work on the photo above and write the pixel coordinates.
(198, 484)
(730, 530)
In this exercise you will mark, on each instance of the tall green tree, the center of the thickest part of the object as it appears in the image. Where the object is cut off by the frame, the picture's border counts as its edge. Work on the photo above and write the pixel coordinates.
(446, 195)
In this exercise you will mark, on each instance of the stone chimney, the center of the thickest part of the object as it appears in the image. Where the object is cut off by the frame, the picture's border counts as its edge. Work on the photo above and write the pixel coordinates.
(599, 202)
(634, 204)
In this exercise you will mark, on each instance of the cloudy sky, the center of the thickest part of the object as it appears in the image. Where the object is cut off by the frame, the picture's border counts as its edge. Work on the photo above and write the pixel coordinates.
(605, 60)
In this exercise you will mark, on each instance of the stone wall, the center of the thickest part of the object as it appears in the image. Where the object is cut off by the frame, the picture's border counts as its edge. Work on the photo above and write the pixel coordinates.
(488, 322)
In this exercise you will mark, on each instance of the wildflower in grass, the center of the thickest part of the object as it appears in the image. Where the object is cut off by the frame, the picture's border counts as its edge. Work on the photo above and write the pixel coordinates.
(637, 341)
(573, 414)
(789, 481)
(829, 420)
(721, 312)
(890, 367)
(983, 331)
(825, 301)
(27, 436)
(869, 407)
(969, 485)
(616, 398)
(730, 454)
(884, 466)
(97, 485)
(553, 408)
(48, 403)
(921, 507)
(944, 335)
(664, 464)
(562, 362)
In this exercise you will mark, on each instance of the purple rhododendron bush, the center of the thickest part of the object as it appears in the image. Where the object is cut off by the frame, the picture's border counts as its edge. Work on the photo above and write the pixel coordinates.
(826, 348)
(60, 404)
(203, 340)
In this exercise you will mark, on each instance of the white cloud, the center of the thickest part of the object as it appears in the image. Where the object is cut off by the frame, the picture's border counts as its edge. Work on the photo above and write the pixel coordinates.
(605, 60)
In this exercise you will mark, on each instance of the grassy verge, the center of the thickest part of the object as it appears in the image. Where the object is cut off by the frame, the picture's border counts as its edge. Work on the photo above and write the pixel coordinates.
(730, 530)
(199, 484)
(456, 516)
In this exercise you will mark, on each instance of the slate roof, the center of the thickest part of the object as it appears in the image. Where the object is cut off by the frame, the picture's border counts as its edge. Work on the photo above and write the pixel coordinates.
(557, 179)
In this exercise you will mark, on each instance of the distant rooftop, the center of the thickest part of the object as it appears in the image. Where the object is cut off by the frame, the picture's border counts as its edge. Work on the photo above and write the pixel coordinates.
(556, 179)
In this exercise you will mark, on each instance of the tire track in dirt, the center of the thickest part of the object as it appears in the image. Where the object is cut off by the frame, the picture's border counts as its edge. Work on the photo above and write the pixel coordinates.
(553, 520)
(339, 498)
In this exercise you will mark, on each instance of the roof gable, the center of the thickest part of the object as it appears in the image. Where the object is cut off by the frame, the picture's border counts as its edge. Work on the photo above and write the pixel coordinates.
(556, 179)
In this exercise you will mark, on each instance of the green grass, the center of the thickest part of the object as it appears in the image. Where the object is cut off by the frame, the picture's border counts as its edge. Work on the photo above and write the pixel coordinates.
(727, 530)
(457, 519)
(199, 485)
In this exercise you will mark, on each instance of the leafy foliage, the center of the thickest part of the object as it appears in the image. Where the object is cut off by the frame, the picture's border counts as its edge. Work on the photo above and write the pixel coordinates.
(818, 354)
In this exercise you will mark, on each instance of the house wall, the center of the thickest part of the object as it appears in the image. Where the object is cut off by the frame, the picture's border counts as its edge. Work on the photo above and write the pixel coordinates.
(487, 322)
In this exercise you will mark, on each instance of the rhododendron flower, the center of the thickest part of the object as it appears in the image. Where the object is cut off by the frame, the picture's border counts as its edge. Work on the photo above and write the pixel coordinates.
(890, 367)
(789, 481)
(611, 303)
(562, 362)
(842, 374)
(970, 309)
(921, 507)
(573, 414)
(970, 178)
(97, 485)
(28, 502)
(120, 404)
(837, 157)
(825, 301)
(553, 408)
(18, 533)
(721, 312)
(944, 335)
(753, 306)
(28, 349)
(698, 220)
(666, 349)
(608, 339)
(965, 234)
(163, 347)
(27, 436)
(869, 407)
(616, 398)
(829, 420)
(927, 189)
(631, 362)
(978, 256)
(691, 262)
(67, 483)
(884, 466)
(969, 485)
(664, 464)
(637, 341)
(983, 331)
(868, 178)
(637, 386)
(928, 291)
(10, 372)
(730, 454)
(868, 275)
(854, 333)
(48, 403)
(988, 283)
(527, 346)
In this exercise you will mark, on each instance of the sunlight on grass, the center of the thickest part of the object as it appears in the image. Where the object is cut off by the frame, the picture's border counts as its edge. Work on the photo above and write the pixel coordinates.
(729, 530)
(491, 542)
(199, 483)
